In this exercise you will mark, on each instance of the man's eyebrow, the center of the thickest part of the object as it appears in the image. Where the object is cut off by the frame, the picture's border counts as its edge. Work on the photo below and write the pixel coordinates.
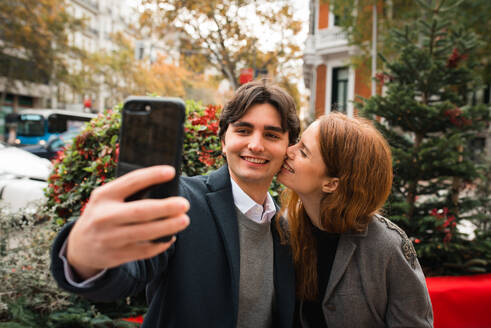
(249, 125)
(244, 124)
(274, 128)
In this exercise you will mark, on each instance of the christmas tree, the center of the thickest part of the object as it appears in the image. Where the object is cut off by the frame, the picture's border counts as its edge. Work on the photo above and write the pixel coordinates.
(430, 122)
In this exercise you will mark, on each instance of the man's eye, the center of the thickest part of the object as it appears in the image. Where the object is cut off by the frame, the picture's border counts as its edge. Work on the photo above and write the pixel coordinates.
(272, 136)
(303, 153)
(242, 131)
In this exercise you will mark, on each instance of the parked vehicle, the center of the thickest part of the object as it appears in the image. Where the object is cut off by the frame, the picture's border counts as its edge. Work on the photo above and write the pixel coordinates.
(54, 144)
(23, 177)
(36, 126)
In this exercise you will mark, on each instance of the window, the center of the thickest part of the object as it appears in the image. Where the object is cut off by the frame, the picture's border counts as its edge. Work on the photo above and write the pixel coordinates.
(339, 93)
(337, 20)
(30, 125)
(25, 101)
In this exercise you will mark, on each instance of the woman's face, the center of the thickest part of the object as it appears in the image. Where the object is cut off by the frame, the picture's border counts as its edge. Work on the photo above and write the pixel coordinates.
(304, 170)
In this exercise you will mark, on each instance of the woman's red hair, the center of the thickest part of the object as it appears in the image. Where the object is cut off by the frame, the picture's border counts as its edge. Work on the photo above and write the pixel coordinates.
(356, 153)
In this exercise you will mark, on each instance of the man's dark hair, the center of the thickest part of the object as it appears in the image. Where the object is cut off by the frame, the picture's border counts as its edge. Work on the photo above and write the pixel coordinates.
(261, 92)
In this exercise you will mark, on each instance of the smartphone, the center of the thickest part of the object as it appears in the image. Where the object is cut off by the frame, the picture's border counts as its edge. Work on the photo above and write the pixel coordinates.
(152, 133)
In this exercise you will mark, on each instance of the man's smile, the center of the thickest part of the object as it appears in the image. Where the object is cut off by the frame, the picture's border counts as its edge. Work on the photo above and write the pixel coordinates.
(254, 160)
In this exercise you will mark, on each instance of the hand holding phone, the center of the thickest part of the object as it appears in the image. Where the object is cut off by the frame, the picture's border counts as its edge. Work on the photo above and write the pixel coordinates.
(111, 231)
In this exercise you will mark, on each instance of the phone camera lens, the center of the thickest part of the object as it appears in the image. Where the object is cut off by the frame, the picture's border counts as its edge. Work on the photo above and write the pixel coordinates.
(147, 108)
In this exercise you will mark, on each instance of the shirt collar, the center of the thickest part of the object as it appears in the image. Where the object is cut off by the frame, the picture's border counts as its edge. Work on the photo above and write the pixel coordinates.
(250, 208)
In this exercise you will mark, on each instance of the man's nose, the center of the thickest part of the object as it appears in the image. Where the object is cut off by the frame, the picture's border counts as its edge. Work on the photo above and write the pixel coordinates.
(256, 143)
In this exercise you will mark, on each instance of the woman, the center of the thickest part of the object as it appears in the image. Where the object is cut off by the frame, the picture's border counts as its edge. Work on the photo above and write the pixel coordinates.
(354, 267)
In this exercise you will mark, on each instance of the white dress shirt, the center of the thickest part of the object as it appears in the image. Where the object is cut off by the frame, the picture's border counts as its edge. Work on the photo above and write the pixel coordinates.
(254, 211)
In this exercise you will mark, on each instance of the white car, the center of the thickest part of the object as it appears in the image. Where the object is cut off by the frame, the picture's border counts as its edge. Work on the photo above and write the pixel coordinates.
(23, 177)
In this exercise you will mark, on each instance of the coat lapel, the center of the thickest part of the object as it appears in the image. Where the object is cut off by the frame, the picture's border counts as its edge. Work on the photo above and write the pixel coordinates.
(346, 249)
(221, 203)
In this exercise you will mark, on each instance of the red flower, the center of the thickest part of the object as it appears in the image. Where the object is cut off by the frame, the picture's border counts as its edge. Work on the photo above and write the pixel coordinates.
(206, 159)
(214, 127)
(67, 187)
(447, 238)
(448, 221)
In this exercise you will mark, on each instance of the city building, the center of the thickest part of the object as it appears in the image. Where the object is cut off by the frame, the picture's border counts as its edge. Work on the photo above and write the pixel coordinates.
(333, 82)
(103, 19)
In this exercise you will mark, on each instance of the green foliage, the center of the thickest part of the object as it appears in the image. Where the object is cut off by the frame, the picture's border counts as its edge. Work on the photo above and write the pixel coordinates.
(88, 162)
(430, 126)
(202, 149)
(29, 297)
(91, 159)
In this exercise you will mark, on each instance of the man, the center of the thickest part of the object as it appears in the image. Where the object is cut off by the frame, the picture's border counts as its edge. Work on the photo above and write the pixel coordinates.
(228, 267)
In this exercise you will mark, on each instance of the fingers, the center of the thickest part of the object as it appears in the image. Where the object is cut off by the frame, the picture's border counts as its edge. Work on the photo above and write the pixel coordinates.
(148, 231)
(149, 209)
(134, 181)
(145, 250)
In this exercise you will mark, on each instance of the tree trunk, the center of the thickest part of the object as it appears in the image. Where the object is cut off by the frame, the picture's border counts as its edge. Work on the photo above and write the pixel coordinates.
(413, 185)
(456, 182)
(12, 128)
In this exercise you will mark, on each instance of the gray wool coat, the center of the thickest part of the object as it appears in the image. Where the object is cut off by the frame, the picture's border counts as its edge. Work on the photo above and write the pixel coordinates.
(376, 281)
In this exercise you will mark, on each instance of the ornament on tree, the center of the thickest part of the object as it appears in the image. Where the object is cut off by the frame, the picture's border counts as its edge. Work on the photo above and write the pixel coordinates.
(456, 118)
(455, 58)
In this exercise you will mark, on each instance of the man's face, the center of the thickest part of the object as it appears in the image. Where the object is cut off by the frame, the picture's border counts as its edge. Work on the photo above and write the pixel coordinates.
(255, 146)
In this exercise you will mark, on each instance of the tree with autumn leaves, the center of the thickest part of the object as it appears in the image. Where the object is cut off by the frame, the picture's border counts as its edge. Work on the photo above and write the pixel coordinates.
(229, 35)
(124, 75)
(34, 43)
(426, 115)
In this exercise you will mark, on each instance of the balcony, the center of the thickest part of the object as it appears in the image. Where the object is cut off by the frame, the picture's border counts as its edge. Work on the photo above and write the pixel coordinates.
(326, 41)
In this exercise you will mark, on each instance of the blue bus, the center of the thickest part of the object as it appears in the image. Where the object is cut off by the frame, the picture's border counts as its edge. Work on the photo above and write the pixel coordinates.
(36, 126)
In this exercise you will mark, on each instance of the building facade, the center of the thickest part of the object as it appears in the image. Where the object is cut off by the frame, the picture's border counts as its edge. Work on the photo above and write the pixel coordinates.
(333, 81)
(103, 18)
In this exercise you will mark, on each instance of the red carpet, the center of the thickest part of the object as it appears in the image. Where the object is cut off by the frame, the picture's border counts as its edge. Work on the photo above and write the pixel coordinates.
(458, 302)
(461, 302)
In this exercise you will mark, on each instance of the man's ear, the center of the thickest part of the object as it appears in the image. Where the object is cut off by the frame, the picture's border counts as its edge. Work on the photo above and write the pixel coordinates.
(222, 141)
(330, 185)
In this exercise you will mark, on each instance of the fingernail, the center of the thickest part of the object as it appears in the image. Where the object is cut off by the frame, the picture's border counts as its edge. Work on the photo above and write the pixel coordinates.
(185, 219)
(186, 205)
(169, 169)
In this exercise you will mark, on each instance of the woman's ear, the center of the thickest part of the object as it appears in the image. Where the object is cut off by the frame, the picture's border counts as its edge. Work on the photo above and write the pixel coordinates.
(330, 185)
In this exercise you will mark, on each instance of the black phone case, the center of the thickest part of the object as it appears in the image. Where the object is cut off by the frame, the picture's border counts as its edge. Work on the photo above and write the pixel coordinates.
(152, 133)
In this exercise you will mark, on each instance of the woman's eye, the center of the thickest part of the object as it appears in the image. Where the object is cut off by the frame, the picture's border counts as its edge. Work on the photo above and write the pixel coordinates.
(303, 153)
